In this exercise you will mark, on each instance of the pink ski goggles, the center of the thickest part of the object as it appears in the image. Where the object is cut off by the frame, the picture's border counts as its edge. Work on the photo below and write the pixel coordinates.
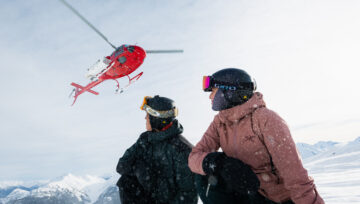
(207, 83)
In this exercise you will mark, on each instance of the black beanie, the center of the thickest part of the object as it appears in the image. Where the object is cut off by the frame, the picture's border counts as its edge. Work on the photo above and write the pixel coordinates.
(161, 104)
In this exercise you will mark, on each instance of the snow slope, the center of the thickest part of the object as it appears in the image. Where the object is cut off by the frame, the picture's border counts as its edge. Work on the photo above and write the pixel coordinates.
(337, 172)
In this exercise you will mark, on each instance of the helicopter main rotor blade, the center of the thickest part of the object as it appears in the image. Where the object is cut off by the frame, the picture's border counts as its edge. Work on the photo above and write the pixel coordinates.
(87, 22)
(163, 51)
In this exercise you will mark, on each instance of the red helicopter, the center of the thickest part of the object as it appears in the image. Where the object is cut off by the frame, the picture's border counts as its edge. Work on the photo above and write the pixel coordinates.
(121, 63)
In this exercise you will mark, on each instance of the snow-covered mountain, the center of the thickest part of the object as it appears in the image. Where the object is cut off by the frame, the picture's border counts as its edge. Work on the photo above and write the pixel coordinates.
(66, 189)
(334, 166)
(109, 196)
(307, 150)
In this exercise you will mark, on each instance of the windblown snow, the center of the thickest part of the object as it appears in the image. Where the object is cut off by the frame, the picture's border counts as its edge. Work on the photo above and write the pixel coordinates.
(334, 166)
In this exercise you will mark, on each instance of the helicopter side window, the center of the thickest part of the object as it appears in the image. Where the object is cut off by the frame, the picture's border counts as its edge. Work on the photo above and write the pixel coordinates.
(122, 59)
(131, 49)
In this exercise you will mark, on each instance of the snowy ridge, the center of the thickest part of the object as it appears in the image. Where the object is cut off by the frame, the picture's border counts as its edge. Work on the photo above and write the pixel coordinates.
(6, 184)
(307, 150)
(337, 155)
(15, 195)
(81, 185)
(95, 191)
(28, 184)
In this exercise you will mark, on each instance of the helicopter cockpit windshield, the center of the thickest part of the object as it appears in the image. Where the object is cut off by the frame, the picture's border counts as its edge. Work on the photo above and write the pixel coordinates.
(118, 51)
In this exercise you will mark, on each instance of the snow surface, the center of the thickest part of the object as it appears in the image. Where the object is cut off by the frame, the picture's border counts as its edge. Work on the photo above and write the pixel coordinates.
(337, 172)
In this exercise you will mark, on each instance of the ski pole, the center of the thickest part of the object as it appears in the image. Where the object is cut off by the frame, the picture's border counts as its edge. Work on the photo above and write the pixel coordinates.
(212, 181)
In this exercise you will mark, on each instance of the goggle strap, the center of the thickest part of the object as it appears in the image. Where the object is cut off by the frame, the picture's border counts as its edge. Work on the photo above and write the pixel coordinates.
(241, 85)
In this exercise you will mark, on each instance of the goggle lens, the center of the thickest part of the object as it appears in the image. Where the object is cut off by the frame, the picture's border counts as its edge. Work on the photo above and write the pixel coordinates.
(144, 102)
(207, 83)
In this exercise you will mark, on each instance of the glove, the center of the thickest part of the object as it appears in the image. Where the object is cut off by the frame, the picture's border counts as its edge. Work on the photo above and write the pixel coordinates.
(213, 162)
(238, 176)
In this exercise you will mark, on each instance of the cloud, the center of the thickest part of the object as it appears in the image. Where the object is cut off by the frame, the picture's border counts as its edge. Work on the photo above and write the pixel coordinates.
(302, 54)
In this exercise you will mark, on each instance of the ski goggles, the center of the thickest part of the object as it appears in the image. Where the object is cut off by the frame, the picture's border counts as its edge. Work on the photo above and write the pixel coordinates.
(157, 113)
(209, 83)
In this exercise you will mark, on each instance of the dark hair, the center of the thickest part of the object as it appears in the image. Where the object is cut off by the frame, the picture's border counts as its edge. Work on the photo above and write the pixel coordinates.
(159, 123)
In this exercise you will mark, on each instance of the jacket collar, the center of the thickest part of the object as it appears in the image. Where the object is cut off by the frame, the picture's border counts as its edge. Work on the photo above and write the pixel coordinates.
(240, 111)
(175, 129)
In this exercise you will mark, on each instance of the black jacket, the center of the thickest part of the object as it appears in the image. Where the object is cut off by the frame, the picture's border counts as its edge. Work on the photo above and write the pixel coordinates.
(159, 160)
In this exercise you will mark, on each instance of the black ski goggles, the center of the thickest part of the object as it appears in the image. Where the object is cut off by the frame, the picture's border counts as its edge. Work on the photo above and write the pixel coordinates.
(209, 83)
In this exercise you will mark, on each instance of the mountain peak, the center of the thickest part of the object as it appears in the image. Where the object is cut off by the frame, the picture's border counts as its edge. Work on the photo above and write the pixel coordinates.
(357, 140)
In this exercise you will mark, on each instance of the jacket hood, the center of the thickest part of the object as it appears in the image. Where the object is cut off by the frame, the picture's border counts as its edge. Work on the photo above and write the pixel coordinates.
(175, 129)
(240, 111)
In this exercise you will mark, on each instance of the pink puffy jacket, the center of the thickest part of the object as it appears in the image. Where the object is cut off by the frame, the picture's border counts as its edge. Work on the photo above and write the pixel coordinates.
(260, 138)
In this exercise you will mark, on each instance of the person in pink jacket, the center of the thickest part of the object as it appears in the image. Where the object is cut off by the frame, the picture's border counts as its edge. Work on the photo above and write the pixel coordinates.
(259, 162)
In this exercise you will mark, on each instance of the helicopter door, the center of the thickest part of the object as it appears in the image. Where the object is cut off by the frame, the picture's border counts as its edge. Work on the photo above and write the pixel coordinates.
(100, 67)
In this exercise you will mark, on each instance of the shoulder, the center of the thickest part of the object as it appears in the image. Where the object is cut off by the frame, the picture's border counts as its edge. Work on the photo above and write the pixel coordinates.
(143, 138)
(142, 141)
(181, 144)
(269, 121)
(217, 121)
(266, 115)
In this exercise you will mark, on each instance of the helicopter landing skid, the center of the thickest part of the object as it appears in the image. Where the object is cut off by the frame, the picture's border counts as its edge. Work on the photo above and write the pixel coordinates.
(131, 81)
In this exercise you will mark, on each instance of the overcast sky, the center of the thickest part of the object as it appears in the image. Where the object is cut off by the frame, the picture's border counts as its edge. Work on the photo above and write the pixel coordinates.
(304, 55)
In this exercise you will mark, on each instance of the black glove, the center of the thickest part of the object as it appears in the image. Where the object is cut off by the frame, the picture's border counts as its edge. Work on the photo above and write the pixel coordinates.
(238, 176)
(213, 162)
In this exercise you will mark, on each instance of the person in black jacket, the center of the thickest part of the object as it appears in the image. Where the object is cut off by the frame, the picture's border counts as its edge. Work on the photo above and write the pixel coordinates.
(154, 169)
